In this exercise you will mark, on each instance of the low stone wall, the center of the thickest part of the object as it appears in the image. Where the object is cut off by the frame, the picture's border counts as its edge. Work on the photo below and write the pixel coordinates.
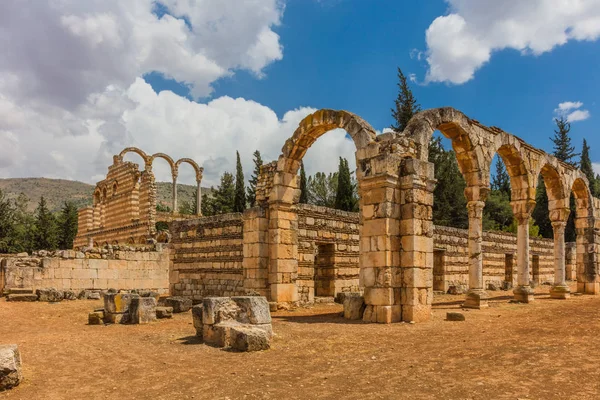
(116, 267)
(328, 249)
(207, 256)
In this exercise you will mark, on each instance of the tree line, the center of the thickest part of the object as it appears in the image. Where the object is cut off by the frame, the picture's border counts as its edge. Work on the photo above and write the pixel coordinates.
(24, 231)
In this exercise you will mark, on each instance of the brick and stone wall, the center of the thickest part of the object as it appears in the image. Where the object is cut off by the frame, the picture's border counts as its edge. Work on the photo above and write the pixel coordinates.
(207, 256)
(116, 267)
(328, 245)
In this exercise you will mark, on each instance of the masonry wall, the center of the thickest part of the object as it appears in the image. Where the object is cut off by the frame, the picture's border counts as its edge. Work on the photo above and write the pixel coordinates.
(207, 256)
(117, 268)
(328, 249)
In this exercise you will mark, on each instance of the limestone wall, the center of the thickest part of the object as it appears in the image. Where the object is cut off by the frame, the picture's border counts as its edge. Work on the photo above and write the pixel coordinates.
(499, 258)
(328, 245)
(207, 256)
(117, 268)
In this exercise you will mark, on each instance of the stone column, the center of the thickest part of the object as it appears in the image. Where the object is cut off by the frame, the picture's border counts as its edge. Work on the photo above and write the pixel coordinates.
(588, 245)
(476, 296)
(174, 211)
(198, 198)
(560, 290)
(522, 210)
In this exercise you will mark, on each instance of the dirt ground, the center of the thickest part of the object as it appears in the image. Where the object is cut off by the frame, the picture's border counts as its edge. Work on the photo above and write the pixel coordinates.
(545, 350)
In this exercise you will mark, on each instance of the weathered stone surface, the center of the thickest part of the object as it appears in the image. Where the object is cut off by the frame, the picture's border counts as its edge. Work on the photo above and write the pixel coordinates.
(179, 304)
(69, 295)
(248, 338)
(218, 309)
(118, 302)
(10, 367)
(218, 335)
(148, 293)
(164, 312)
(96, 318)
(142, 310)
(22, 297)
(254, 309)
(50, 295)
(354, 306)
(457, 289)
(455, 316)
(93, 296)
(197, 318)
(116, 318)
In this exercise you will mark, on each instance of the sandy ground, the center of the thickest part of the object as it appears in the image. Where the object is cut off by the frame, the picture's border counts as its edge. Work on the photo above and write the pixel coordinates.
(545, 350)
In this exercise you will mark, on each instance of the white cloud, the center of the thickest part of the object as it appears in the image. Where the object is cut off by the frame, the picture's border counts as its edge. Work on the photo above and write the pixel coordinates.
(463, 41)
(572, 111)
(596, 167)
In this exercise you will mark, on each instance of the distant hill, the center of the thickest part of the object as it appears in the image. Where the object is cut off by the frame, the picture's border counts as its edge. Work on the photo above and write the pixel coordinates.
(57, 191)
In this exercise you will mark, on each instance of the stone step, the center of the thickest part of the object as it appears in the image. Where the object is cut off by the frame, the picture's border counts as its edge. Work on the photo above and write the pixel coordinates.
(22, 297)
(324, 300)
(20, 291)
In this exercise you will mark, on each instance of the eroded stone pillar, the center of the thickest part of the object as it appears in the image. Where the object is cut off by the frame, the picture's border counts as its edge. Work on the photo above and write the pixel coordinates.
(476, 296)
(588, 245)
(198, 198)
(560, 289)
(522, 211)
(174, 194)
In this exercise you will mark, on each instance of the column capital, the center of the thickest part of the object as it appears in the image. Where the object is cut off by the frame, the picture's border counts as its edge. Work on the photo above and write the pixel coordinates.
(475, 209)
(560, 214)
(522, 209)
(476, 193)
(559, 226)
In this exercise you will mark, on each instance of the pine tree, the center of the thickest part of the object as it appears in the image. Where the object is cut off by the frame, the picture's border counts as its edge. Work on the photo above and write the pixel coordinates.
(303, 188)
(258, 162)
(6, 224)
(540, 214)
(586, 167)
(68, 225)
(239, 204)
(405, 104)
(224, 195)
(344, 199)
(208, 204)
(501, 180)
(24, 226)
(46, 236)
(322, 189)
(563, 150)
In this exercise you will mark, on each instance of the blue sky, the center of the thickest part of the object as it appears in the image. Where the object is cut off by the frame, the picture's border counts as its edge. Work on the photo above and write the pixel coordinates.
(343, 55)
(79, 81)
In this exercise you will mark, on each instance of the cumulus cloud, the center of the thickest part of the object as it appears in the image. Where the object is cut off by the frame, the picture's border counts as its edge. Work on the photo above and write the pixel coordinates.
(572, 111)
(463, 41)
(596, 167)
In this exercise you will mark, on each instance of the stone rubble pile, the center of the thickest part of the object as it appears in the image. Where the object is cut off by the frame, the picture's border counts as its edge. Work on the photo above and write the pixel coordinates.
(10, 367)
(129, 308)
(242, 323)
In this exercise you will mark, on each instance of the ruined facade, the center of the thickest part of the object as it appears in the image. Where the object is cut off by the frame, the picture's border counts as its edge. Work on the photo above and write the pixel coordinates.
(124, 204)
(390, 250)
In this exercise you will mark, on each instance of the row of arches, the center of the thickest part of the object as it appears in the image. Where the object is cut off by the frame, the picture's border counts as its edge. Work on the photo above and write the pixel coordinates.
(396, 183)
(174, 167)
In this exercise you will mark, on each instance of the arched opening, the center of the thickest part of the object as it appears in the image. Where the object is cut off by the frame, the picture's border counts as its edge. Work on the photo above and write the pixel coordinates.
(586, 259)
(189, 191)
(115, 188)
(165, 175)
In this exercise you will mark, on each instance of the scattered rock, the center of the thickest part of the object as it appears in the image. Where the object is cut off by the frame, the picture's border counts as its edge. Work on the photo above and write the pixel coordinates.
(248, 338)
(179, 304)
(272, 306)
(142, 310)
(197, 318)
(492, 287)
(10, 367)
(118, 302)
(93, 296)
(96, 318)
(69, 295)
(50, 295)
(22, 297)
(456, 289)
(455, 316)
(354, 306)
(164, 312)
(253, 309)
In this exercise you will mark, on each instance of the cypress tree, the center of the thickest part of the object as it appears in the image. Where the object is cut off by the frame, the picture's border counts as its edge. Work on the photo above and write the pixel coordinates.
(252, 182)
(540, 214)
(563, 149)
(586, 167)
(46, 235)
(344, 195)
(68, 225)
(239, 204)
(405, 104)
(303, 188)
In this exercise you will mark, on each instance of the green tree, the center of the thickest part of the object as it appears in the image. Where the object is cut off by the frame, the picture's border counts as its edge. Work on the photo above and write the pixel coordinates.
(344, 199)
(322, 189)
(497, 214)
(563, 149)
(162, 208)
(540, 213)
(46, 235)
(303, 188)
(405, 104)
(586, 167)
(501, 180)
(208, 204)
(24, 226)
(253, 181)
(67, 225)
(6, 224)
(450, 204)
(239, 203)
(224, 195)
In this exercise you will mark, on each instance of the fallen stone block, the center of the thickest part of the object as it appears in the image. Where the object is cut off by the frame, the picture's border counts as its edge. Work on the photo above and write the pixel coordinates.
(272, 306)
(116, 318)
(96, 318)
(455, 316)
(50, 295)
(93, 296)
(142, 310)
(197, 318)
(179, 304)
(354, 306)
(253, 309)
(10, 367)
(164, 312)
(457, 289)
(20, 291)
(22, 297)
(69, 295)
(118, 302)
(248, 338)
(219, 309)
(218, 335)
(148, 293)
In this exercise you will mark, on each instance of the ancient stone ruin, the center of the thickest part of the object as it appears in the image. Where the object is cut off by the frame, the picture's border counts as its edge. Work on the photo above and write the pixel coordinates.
(10, 367)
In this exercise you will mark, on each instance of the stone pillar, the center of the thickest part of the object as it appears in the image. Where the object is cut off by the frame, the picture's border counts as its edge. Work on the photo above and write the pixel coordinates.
(476, 296)
(571, 261)
(560, 289)
(522, 211)
(174, 210)
(198, 198)
(588, 245)
(256, 251)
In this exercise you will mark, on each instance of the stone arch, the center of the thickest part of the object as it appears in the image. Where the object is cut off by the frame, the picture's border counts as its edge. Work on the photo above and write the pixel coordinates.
(97, 196)
(137, 151)
(199, 171)
(583, 198)
(142, 239)
(131, 240)
(115, 188)
(165, 157)
(521, 179)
